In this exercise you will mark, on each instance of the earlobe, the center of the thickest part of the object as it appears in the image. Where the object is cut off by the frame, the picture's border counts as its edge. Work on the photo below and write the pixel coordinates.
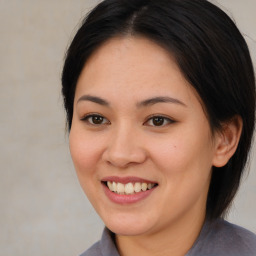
(227, 140)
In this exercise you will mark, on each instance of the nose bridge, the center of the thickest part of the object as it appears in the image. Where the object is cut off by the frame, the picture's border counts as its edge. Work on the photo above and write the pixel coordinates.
(124, 146)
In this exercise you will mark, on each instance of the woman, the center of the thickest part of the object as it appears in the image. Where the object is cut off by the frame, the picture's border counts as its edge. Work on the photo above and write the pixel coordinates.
(160, 102)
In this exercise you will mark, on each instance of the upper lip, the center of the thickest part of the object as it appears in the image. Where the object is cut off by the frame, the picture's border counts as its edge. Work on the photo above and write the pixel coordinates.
(127, 179)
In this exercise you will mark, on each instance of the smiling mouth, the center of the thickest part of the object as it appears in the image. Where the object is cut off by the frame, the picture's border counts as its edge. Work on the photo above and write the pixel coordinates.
(129, 188)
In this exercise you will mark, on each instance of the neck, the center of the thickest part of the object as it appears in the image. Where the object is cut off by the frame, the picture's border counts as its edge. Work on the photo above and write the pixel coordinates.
(176, 240)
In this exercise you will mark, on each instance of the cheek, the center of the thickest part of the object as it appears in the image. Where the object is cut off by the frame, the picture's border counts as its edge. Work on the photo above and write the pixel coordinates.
(185, 167)
(85, 152)
(171, 153)
(184, 159)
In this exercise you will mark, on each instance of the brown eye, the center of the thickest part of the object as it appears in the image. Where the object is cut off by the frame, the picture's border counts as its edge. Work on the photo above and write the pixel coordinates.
(95, 119)
(159, 121)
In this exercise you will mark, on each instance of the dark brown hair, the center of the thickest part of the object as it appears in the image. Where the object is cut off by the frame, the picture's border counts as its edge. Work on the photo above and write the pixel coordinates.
(211, 53)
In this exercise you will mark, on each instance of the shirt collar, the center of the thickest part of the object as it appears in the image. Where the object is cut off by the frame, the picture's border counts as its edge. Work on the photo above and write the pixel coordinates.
(107, 244)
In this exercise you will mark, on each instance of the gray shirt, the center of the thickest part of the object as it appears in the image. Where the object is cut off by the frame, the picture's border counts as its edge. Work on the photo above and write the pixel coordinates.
(217, 238)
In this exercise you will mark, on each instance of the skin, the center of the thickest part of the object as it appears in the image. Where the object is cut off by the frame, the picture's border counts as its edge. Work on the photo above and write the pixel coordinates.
(178, 155)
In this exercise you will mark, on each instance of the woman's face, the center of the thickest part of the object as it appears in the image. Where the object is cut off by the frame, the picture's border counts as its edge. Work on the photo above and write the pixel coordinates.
(140, 141)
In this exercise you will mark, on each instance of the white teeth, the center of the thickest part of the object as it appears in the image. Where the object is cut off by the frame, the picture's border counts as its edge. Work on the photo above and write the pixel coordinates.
(114, 187)
(137, 187)
(129, 188)
(144, 186)
(110, 185)
(120, 188)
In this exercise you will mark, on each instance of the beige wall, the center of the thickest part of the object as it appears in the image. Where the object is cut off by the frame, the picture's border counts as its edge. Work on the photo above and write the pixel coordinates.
(43, 210)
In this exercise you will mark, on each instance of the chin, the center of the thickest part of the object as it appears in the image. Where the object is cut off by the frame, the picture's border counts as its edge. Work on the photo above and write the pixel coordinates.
(127, 230)
(128, 226)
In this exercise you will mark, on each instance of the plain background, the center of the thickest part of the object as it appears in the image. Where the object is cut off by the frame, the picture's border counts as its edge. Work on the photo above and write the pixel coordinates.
(43, 210)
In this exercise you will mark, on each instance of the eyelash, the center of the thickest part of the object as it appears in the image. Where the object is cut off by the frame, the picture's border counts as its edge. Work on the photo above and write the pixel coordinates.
(87, 118)
(166, 121)
(149, 122)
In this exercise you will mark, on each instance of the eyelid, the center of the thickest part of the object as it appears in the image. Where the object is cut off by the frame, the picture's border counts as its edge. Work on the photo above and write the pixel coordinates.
(169, 119)
(89, 115)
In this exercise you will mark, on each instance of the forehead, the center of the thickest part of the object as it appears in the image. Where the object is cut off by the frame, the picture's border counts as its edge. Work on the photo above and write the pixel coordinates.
(133, 66)
(140, 46)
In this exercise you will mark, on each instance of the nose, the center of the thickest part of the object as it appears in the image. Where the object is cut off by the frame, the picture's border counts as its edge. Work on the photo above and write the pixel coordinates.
(124, 148)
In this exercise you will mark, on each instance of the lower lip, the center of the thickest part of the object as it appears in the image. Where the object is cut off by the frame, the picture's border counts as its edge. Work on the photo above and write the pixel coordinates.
(127, 199)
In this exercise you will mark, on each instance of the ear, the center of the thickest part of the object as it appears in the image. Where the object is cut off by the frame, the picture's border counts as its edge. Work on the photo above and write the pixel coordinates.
(226, 141)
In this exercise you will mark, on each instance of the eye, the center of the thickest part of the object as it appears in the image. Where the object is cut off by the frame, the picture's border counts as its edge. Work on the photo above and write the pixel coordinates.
(95, 119)
(158, 121)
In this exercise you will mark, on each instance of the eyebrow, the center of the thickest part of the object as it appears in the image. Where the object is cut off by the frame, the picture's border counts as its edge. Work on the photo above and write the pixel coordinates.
(144, 103)
(94, 99)
(160, 99)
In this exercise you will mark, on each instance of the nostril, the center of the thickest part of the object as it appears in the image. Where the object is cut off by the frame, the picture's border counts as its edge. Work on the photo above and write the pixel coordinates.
(123, 152)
